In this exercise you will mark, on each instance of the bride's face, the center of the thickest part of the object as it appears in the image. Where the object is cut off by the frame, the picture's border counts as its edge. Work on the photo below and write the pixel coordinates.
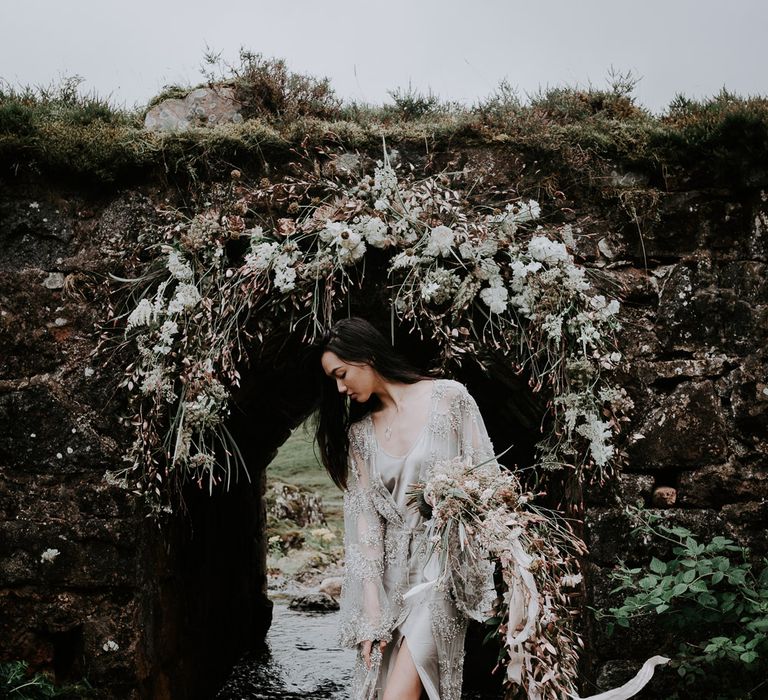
(355, 380)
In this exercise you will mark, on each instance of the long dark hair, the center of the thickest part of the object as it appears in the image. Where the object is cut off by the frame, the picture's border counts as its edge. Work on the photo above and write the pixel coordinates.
(356, 341)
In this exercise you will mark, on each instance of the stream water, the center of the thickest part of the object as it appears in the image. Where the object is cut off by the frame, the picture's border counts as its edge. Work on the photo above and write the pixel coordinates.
(300, 660)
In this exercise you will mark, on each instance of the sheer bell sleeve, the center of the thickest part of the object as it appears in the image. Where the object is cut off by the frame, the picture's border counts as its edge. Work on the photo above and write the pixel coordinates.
(364, 608)
(474, 442)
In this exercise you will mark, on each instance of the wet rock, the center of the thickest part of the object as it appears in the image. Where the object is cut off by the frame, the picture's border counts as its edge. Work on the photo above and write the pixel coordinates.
(694, 312)
(636, 487)
(314, 602)
(201, 107)
(687, 428)
(331, 586)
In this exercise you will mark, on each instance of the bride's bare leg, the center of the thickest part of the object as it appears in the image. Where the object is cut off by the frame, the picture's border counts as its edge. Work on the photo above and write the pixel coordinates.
(404, 682)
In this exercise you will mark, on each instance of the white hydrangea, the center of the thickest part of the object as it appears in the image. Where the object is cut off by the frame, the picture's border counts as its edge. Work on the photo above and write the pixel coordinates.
(261, 256)
(553, 327)
(441, 240)
(527, 211)
(597, 432)
(374, 231)
(186, 297)
(541, 248)
(285, 278)
(178, 267)
(495, 296)
(575, 280)
(142, 315)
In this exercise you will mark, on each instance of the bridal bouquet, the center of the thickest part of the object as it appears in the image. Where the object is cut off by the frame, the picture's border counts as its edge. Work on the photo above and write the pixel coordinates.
(478, 514)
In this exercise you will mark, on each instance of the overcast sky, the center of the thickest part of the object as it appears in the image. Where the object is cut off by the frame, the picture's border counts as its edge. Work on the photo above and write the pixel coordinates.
(460, 49)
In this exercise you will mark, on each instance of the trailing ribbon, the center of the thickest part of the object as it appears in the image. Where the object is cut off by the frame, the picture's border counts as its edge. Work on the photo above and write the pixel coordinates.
(632, 686)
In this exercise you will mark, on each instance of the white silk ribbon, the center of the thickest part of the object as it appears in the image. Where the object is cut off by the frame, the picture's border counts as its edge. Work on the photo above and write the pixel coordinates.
(632, 686)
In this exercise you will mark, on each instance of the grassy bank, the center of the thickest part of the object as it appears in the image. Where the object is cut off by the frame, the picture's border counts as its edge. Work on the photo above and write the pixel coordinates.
(60, 132)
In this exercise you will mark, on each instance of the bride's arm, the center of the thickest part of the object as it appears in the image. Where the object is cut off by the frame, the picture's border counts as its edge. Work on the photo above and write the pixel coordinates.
(365, 609)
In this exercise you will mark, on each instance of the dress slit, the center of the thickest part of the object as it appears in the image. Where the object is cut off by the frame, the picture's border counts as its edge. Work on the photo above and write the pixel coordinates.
(427, 684)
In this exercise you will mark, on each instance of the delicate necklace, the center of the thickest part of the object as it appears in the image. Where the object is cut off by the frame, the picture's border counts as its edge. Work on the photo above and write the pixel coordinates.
(388, 429)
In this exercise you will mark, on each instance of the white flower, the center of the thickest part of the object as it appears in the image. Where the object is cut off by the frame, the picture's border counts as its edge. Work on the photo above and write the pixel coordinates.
(597, 302)
(597, 432)
(439, 285)
(168, 330)
(384, 181)
(49, 555)
(261, 256)
(381, 205)
(141, 315)
(541, 248)
(467, 251)
(110, 645)
(528, 211)
(374, 230)
(157, 382)
(553, 327)
(495, 296)
(256, 233)
(405, 259)
(487, 269)
(441, 238)
(575, 281)
(178, 267)
(285, 278)
(186, 297)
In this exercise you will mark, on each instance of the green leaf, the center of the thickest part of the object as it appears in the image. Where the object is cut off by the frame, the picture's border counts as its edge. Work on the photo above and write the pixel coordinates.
(688, 576)
(748, 656)
(661, 608)
(658, 567)
(679, 589)
(717, 577)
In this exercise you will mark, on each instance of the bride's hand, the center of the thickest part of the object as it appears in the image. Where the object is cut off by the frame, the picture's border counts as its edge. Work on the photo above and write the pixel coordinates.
(367, 646)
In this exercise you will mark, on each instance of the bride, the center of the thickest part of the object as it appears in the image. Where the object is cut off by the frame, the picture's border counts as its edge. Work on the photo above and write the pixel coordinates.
(375, 447)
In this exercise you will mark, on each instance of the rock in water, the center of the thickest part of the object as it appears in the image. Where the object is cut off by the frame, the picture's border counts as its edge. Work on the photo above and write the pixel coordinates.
(314, 602)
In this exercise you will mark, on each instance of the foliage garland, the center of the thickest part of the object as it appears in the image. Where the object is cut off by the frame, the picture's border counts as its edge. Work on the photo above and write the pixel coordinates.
(470, 275)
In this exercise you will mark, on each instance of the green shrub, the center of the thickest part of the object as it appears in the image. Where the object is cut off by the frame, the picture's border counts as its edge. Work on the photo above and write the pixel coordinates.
(710, 594)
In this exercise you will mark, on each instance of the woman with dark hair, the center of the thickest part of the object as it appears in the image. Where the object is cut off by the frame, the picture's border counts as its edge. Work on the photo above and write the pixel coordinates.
(380, 424)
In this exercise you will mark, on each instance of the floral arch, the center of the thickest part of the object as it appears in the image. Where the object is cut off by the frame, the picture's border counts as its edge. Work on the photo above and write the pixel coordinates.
(471, 270)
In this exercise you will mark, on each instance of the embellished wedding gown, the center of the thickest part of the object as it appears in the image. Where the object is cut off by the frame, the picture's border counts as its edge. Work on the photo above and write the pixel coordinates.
(386, 552)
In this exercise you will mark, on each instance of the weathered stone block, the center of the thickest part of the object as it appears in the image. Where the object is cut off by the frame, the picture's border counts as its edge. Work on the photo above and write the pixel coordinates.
(718, 484)
(686, 429)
